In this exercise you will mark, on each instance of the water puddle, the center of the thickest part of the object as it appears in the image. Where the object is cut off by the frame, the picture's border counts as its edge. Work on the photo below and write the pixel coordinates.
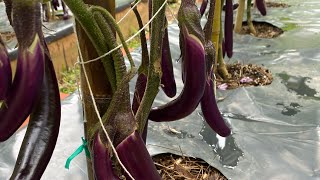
(298, 84)
(291, 109)
(226, 148)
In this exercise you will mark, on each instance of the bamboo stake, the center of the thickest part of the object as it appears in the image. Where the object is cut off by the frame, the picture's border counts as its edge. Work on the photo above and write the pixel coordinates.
(238, 24)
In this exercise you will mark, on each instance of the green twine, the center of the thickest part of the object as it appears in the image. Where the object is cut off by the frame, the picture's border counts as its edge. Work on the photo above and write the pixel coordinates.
(77, 152)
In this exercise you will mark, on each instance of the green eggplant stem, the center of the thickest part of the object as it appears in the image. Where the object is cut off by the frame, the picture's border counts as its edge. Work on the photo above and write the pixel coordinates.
(238, 24)
(118, 60)
(154, 70)
(145, 55)
(249, 19)
(222, 68)
(109, 18)
(114, 102)
(85, 18)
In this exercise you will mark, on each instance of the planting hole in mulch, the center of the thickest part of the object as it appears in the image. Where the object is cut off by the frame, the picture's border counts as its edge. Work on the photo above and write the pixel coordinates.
(176, 167)
(245, 75)
(277, 5)
(264, 29)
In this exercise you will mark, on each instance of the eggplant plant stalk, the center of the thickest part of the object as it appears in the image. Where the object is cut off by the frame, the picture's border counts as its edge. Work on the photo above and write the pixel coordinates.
(141, 82)
(89, 24)
(216, 29)
(222, 68)
(154, 70)
(249, 19)
(238, 23)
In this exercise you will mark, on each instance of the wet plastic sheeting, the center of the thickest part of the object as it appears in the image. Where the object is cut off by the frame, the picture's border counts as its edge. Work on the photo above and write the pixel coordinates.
(275, 128)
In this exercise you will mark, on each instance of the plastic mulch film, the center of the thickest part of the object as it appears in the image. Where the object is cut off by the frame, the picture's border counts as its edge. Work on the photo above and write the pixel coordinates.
(275, 128)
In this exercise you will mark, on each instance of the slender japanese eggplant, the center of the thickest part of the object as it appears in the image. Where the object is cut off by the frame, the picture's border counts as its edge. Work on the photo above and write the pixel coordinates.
(234, 6)
(168, 84)
(261, 5)
(5, 71)
(21, 97)
(194, 86)
(135, 157)
(189, 16)
(223, 49)
(228, 29)
(43, 129)
(203, 7)
(211, 112)
(102, 163)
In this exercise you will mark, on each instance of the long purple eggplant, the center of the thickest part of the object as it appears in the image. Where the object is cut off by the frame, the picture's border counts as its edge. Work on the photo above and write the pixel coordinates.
(261, 5)
(5, 71)
(211, 112)
(102, 163)
(194, 86)
(223, 48)
(21, 97)
(203, 7)
(228, 29)
(135, 157)
(43, 129)
(168, 84)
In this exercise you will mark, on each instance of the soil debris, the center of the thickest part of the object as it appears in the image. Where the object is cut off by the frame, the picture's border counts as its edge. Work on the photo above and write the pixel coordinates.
(246, 75)
(277, 5)
(263, 29)
(176, 167)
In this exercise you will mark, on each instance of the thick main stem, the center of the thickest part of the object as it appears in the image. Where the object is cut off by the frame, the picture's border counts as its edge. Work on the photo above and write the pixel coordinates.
(222, 68)
(249, 19)
(100, 83)
(154, 70)
(89, 25)
(216, 28)
(238, 25)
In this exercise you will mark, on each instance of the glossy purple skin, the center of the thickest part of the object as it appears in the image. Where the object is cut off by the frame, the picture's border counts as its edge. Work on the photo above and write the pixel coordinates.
(194, 85)
(5, 71)
(261, 7)
(228, 28)
(211, 112)
(102, 163)
(203, 7)
(24, 90)
(168, 84)
(43, 129)
(135, 157)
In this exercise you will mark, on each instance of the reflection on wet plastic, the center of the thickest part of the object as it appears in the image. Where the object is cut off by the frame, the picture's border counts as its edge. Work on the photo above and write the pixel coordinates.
(290, 110)
(173, 132)
(226, 148)
(298, 85)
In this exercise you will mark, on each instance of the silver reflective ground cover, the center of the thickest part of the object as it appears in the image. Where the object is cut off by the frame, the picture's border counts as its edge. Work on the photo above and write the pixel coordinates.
(275, 128)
